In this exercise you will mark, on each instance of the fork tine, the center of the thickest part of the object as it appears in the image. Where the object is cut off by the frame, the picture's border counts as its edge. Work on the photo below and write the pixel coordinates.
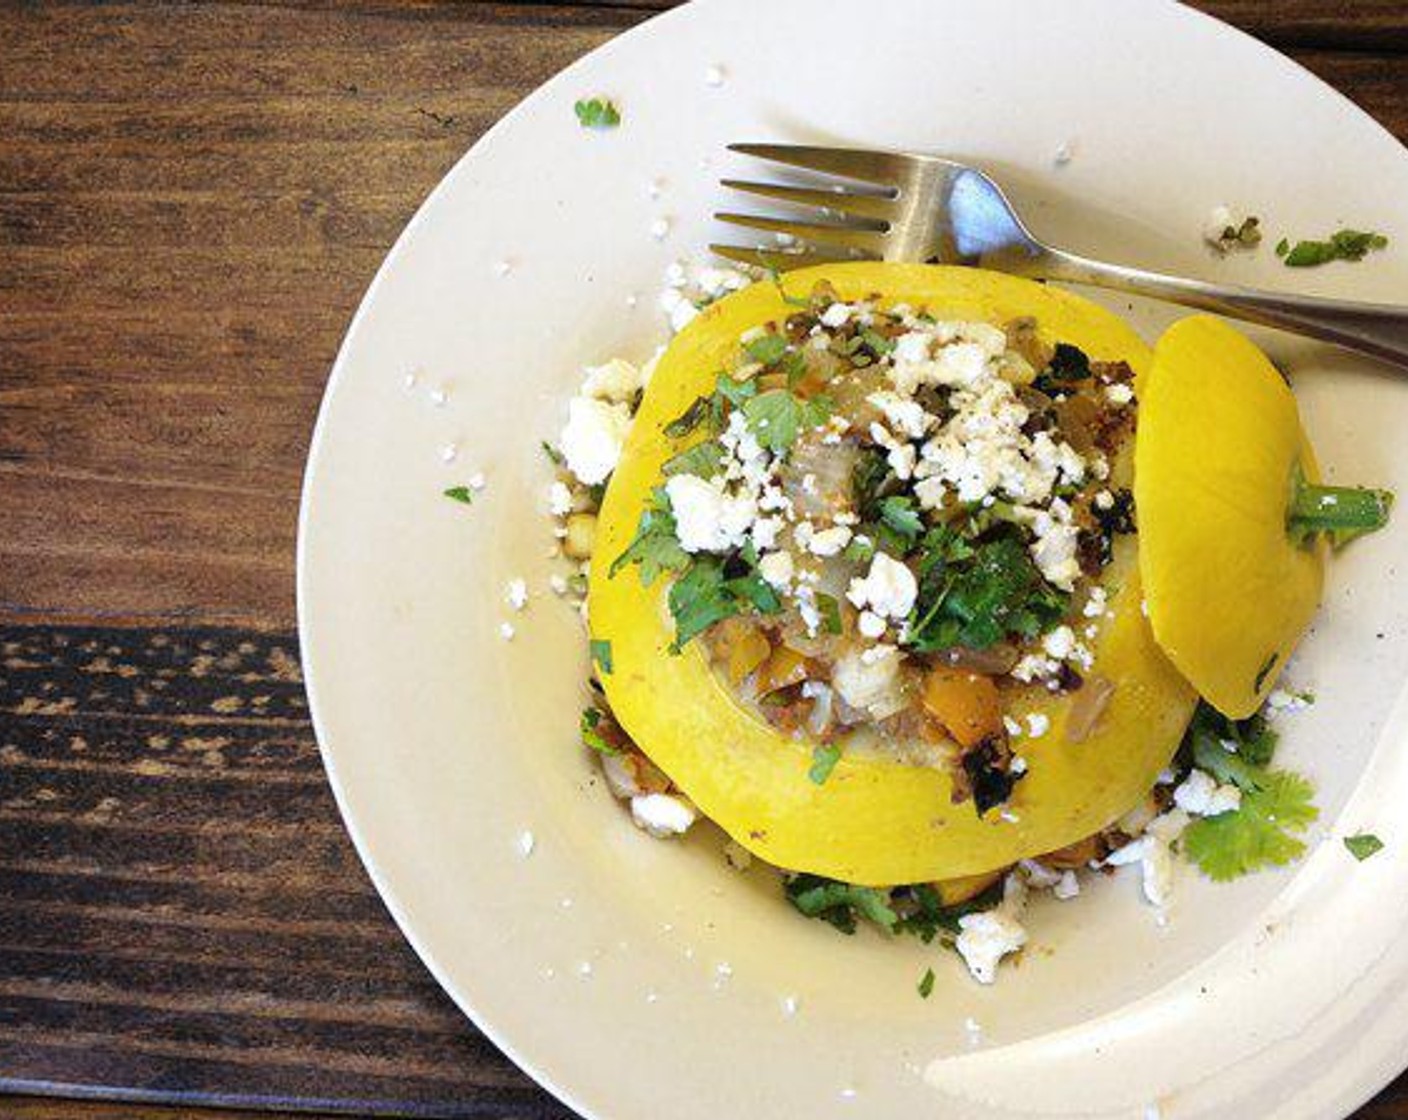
(866, 206)
(848, 237)
(778, 260)
(884, 168)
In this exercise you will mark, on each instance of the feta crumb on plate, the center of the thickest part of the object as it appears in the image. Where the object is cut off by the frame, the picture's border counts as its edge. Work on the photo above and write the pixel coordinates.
(662, 815)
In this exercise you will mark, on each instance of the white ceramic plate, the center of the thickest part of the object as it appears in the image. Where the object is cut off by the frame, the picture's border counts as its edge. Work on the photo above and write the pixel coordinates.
(601, 963)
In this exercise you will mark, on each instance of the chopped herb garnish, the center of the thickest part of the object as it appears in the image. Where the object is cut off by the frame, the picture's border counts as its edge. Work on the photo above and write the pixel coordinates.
(976, 595)
(777, 417)
(1276, 804)
(554, 455)
(654, 547)
(703, 459)
(597, 112)
(899, 515)
(1282, 247)
(1343, 245)
(830, 610)
(766, 349)
(1343, 512)
(461, 494)
(601, 654)
(860, 549)
(1364, 845)
(591, 737)
(926, 984)
(824, 759)
(839, 904)
(709, 592)
(871, 480)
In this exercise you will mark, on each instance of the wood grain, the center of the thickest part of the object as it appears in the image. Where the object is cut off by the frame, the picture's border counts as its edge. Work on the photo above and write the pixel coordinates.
(192, 199)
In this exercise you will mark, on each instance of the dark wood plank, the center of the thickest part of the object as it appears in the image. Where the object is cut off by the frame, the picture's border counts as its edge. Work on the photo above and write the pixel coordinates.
(163, 933)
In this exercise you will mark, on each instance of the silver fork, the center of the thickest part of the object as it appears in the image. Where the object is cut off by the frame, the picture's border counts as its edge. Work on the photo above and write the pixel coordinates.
(901, 206)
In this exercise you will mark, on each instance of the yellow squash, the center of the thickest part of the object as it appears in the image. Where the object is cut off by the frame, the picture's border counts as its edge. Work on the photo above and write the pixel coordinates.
(1220, 438)
(874, 821)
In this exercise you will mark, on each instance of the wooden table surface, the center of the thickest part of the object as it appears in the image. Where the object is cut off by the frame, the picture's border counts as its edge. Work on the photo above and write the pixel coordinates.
(192, 199)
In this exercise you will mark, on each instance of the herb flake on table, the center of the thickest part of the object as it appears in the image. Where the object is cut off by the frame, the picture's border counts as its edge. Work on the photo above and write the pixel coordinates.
(926, 984)
(601, 654)
(1342, 245)
(597, 112)
(824, 759)
(1363, 845)
(461, 494)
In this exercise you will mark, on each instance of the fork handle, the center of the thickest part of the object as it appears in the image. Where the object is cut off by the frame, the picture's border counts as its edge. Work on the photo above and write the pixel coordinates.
(1378, 329)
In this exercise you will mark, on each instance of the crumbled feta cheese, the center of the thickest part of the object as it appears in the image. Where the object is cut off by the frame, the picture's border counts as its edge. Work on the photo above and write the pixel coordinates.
(1017, 767)
(828, 542)
(616, 381)
(706, 518)
(1119, 393)
(506, 631)
(558, 584)
(1038, 724)
(1104, 500)
(516, 593)
(1059, 643)
(660, 229)
(1068, 888)
(559, 499)
(1285, 702)
(679, 310)
(476, 481)
(662, 815)
(1065, 152)
(1033, 666)
(903, 415)
(1039, 876)
(526, 843)
(870, 625)
(889, 588)
(984, 939)
(1012, 727)
(449, 453)
(438, 397)
(776, 568)
(870, 680)
(836, 315)
(764, 532)
(1154, 853)
(1200, 795)
(591, 441)
(1095, 603)
(902, 460)
(789, 1005)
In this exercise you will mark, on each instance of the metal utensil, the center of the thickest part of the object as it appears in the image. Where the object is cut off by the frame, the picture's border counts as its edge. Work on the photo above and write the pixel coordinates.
(902, 206)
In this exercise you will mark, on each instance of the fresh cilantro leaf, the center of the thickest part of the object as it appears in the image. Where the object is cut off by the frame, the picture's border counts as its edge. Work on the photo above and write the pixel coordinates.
(776, 417)
(708, 593)
(840, 903)
(601, 654)
(876, 343)
(1342, 245)
(1282, 247)
(766, 349)
(825, 756)
(1260, 833)
(871, 481)
(737, 393)
(461, 494)
(1253, 742)
(926, 984)
(901, 517)
(553, 454)
(830, 611)
(703, 459)
(1364, 845)
(860, 549)
(977, 595)
(591, 737)
(654, 547)
(689, 419)
(794, 365)
(597, 112)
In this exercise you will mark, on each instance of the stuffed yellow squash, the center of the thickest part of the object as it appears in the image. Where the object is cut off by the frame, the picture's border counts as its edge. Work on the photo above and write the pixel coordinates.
(904, 575)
